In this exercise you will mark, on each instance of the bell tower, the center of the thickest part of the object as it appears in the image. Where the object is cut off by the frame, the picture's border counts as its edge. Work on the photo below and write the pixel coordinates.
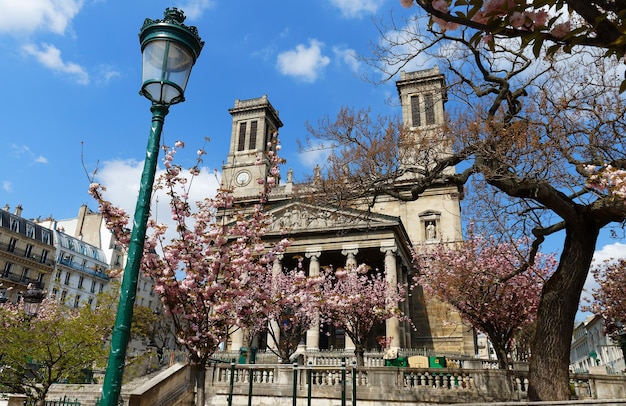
(255, 121)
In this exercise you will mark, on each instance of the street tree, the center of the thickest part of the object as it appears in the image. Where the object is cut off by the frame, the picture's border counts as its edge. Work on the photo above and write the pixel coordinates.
(57, 344)
(356, 299)
(530, 133)
(211, 262)
(287, 307)
(489, 283)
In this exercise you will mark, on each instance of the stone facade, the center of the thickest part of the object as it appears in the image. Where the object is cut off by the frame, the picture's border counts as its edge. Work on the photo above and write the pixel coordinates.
(27, 254)
(381, 237)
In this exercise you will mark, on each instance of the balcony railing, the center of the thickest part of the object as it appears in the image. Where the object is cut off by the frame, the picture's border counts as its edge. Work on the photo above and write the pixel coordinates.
(82, 268)
(22, 280)
(18, 252)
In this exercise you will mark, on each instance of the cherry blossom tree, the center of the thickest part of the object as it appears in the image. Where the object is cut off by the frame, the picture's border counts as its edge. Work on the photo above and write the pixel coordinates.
(356, 299)
(56, 344)
(489, 283)
(285, 307)
(608, 298)
(201, 274)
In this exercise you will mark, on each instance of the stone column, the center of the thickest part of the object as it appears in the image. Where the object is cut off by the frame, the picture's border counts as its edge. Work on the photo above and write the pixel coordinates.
(277, 268)
(392, 325)
(236, 339)
(405, 306)
(351, 263)
(350, 255)
(313, 334)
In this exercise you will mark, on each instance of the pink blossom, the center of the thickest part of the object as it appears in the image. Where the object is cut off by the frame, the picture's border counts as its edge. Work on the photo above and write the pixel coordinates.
(561, 30)
(517, 19)
(440, 5)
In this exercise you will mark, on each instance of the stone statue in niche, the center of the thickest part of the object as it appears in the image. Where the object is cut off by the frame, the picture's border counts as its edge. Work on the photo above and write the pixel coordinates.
(431, 230)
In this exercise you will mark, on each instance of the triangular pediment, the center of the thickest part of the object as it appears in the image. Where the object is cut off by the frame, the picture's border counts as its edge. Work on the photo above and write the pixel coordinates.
(294, 217)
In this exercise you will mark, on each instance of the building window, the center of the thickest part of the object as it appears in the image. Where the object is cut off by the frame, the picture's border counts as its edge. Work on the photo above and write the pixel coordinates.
(29, 250)
(242, 137)
(63, 296)
(40, 278)
(76, 301)
(101, 288)
(55, 292)
(30, 230)
(15, 224)
(44, 256)
(416, 120)
(429, 109)
(25, 274)
(45, 237)
(90, 302)
(253, 130)
(67, 278)
(8, 267)
(57, 278)
(12, 244)
(81, 280)
(93, 287)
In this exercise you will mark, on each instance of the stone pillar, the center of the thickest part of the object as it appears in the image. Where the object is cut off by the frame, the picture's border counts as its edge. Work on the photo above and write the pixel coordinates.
(277, 268)
(392, 325)
(236, 339)
(351, 263)
(350, 255)
(313, 334)
(408, 329)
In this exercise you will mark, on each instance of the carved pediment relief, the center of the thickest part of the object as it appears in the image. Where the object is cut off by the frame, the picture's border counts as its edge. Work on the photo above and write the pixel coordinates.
(296, 217)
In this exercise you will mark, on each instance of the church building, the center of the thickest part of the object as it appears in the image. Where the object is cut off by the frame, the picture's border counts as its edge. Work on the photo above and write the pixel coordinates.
(381, 237)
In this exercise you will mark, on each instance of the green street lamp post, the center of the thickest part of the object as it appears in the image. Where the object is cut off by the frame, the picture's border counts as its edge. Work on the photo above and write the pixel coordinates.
(169, 50)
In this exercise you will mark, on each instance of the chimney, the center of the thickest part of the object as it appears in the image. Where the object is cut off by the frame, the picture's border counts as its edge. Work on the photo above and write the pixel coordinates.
(18, 210)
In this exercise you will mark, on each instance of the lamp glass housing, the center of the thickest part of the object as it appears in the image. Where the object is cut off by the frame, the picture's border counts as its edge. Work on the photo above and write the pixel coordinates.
(166, 68)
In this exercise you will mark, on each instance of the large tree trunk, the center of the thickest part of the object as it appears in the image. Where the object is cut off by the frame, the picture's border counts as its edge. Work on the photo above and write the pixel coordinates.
(359, 352)
(549, 360)
(199, 372)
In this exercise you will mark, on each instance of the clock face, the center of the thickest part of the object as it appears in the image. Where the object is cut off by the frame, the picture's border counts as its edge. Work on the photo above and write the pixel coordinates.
(242, 178)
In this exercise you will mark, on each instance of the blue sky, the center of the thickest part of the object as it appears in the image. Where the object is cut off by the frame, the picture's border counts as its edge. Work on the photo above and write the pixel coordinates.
(72, 71)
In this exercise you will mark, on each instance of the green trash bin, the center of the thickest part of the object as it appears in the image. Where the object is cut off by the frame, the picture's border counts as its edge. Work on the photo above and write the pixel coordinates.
(243, 355)
(437, 362)
(397, 362)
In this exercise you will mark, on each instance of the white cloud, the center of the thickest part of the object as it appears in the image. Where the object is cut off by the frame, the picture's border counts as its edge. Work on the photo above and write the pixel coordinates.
(347, 56)
(610, 251)
(7, 186)
(50, 57)
(303, 63)
(27, 16)
(19, 151)
(315, 155)
(122, 177)
(195, 8)
(106, 73)
(357, 8)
